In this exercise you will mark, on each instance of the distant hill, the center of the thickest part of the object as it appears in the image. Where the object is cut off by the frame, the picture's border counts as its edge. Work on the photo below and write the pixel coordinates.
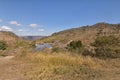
(31, 37)
(87, 34)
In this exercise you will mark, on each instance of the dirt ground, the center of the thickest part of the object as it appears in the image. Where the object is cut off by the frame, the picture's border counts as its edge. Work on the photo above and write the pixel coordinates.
(10, 69)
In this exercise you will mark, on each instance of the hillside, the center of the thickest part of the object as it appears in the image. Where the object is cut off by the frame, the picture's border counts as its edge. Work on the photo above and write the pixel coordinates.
(9, 37)
(87, 34)
(14, 44)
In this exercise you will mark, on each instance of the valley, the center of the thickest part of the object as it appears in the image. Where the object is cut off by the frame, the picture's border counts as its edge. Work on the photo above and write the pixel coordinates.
(84, 53)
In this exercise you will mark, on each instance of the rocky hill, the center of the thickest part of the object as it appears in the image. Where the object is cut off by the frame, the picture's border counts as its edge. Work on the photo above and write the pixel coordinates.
(87, 34)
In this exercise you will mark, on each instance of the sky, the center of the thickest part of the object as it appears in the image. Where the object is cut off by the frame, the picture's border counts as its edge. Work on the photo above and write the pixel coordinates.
(45, 17)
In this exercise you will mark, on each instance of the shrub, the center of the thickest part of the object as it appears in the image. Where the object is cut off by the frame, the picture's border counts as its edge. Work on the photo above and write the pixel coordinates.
(55, 49)
(107, 47)
(3, 45)
(75, 46)
(105, 41)
(87, 53)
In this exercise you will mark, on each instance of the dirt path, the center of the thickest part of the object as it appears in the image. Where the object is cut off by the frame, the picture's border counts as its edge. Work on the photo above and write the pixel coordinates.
(10, 69)
(6, 58)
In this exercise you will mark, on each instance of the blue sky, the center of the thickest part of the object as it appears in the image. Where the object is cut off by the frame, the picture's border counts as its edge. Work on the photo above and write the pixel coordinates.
(44, 17)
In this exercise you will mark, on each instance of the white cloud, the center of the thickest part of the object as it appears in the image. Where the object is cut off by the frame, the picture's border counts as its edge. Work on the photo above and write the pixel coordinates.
(41, 30)
(1, 20)
(33, 25)
(21, 30)
(15, 23)
(5, 28)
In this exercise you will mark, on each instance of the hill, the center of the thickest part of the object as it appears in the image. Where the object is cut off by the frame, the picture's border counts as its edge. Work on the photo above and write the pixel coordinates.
(31, 37)
(87, 34)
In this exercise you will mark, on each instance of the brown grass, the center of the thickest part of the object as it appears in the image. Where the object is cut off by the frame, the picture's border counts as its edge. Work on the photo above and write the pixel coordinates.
(62, 67)
(59, 66)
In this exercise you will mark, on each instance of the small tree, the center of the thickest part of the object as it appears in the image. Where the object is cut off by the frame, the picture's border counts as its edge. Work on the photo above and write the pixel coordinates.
(3, 45)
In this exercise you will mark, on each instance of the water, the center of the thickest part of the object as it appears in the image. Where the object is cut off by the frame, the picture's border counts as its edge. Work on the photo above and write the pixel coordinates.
(43, 46)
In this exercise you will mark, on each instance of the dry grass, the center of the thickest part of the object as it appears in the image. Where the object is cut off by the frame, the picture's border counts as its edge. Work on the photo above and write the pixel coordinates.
(63, 60)
(62, 67)
(59, 66)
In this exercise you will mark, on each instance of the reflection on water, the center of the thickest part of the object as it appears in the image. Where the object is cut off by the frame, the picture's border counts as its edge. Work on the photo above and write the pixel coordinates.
(43, 46)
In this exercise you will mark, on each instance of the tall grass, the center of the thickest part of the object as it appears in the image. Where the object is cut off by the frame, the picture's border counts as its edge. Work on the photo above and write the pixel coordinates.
(62, 67)
(63, 60)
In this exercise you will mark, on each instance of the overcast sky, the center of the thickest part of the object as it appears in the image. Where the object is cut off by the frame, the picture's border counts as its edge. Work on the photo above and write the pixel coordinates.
(44, 17)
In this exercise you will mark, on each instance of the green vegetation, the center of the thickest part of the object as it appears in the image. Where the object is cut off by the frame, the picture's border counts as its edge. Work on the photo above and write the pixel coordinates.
(3, 45)
(55, 49)
(86, 34)
(107, 47)
(75, 46)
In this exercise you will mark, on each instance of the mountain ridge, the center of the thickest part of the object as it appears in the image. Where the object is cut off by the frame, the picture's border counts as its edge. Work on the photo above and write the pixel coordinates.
(32, 37)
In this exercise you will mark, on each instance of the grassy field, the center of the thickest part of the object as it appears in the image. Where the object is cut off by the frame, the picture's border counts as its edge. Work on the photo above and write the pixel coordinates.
(68, 67)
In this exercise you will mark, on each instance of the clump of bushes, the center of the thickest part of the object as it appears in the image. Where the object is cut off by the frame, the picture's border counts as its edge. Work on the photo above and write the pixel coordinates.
(104, 47)
(107, 47)
(75, 46)
(3, 45)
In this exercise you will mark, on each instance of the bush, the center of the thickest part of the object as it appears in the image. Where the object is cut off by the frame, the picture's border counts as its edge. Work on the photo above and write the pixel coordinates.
(105, 41)
(3, 45)
(75, 46)
(87, 53)
(55, 49)
(107, 47)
